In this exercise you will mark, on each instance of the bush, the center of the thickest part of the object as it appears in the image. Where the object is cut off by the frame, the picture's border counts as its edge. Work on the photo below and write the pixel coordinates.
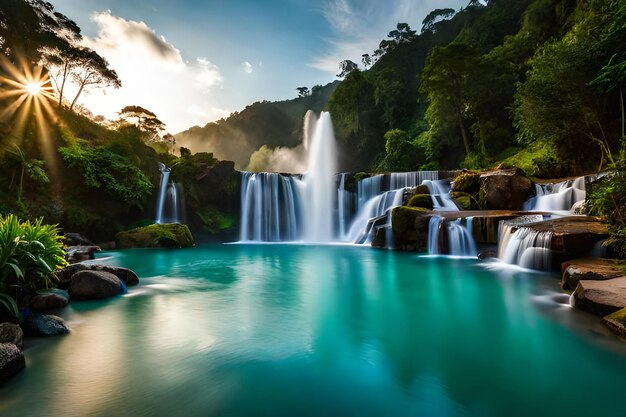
(607, 198)
(29, 253)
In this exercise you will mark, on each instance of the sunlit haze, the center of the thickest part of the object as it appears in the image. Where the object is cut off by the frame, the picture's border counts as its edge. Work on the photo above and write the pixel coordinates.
(192, 61)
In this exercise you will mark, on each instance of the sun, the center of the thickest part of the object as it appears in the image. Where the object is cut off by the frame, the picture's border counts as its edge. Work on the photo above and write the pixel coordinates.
(32, 88)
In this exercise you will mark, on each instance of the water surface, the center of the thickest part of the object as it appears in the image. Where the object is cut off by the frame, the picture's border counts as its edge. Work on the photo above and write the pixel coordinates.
(287, 330)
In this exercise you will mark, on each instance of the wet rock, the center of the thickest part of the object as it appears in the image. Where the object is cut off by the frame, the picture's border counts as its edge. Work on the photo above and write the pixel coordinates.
(596, 269)
(76, 239)
(49, 300)
(173, 235)
(11, 361)
(11, 333)
(487, 254)
(410, 228)
(574, 235)
(81, 253)
(93, 285)
(65, 275)
(616, 322)
(600, 297)
(505, 189)
(44, 325)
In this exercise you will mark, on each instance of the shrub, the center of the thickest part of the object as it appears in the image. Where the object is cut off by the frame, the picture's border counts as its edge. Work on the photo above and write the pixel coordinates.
(29, 253)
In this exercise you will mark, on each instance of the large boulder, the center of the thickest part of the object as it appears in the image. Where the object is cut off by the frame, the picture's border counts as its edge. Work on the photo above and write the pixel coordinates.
(11, 361)
(617, 321)
(80, 253)
(573, 235)
(49, 300)
(410, 228)
(600, 297)
(64, 275)
(11, 333)
(93, 285)
(44, 325)
(505, 189)
(596, 269)
(173, 235)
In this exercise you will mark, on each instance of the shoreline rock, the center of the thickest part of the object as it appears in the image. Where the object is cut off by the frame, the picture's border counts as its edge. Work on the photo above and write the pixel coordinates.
(44, 325)
(12, 361)
(93, 285)
(600, 297)
(172, 235)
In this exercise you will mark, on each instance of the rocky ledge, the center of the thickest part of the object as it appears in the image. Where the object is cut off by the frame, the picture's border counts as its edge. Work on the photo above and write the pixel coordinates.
(574, 235)
(173, 235)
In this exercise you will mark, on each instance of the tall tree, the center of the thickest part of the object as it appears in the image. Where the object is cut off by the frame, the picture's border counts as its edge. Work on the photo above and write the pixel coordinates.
(346, 68)
(92, 70)
(366, 59)
(144, 119)
(429, 22)
(303, 91)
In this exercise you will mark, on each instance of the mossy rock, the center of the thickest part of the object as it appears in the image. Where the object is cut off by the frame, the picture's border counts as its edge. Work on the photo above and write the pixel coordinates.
(421, 200)
(361, 176)
(410, 228)
(421, 189)
(215, 221)
(616, 321)
(173, 235)
(464, 200)
(467, 181)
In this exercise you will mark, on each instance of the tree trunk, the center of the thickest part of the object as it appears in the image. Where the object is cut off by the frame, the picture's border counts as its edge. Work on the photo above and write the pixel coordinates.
(80, 90)
(464, 135)
(65, 67)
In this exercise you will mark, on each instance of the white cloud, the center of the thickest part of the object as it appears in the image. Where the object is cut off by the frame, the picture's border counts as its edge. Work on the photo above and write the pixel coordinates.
(247, 67)
(154, 75)
(360, 25)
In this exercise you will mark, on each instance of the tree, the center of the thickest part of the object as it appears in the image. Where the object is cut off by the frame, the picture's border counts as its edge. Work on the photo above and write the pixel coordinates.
(400, 153)
(303, 91)
(366, 59)
(144, 119)
(447, 81)
(92, 70)
(346, 68)
(429, 22)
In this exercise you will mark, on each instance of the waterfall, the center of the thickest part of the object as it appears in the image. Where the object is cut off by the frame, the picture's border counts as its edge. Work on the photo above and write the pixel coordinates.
(345, 207)
(456, 233)
(374, 208)
(524, 246)
(320, 182)
(558, 196)
(440, 194)
(270, 207)
(169, 200)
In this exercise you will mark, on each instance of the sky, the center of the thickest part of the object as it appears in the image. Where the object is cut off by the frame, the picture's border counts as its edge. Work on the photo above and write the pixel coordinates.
(195, 61)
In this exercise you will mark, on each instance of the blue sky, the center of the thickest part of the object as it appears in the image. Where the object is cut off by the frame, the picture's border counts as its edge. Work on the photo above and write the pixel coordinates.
(195, 61)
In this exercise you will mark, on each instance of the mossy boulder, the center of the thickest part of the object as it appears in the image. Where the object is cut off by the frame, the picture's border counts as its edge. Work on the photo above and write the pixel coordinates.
(421, 189)
(410, 228)
(421, 200)
(465, 201)
(616, 322)
(596, 269)
(467, 182)
(504, 189)
(172, 235)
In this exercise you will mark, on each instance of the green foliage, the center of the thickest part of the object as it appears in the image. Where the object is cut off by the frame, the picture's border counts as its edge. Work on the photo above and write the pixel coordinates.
(29, 253)
(607, 198)
(465, 201)
(400, 153)
(102, 169)
(215, 221)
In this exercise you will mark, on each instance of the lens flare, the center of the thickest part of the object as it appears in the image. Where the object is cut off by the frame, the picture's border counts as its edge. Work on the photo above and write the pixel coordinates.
(33, 89)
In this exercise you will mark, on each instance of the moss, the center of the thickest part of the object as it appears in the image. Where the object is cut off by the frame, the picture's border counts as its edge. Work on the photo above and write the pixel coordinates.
(403, 218)
(464, 200)
(215, 221)
(156, 236)
(616, 321)
(421, 189)
(361, 176)
(421, 200)
(467, 181)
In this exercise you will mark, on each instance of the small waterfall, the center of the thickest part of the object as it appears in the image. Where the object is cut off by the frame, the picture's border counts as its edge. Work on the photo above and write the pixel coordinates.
(456, 233)
(557, 197)
(169, 201)
(369, 188)
(523, 246)
(345, 207)
(411, 179)
(440, 194)
(374, 208)
(270, 207)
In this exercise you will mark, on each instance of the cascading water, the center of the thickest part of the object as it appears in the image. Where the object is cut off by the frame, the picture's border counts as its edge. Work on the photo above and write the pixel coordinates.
(345, 207)
(457, 234)
(320, 182)
(440, 194)
(524, 246)
(557, 197)
(169, 201)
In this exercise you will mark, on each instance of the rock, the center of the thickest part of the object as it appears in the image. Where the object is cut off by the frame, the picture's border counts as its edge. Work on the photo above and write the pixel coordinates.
(410, 228)
(421, 200)
(93, 285)
(487, 254)
(466, 181)
(505, 189)
(44, 325)
(11, 333)
(600, 297)
(65, 275)
(76, 239)
(81, 253)
(573, 235)
(616, 321)
(12, 361)
(110, 245)
(579, 207)
(596, 269)
(172, 235)
(49, 300)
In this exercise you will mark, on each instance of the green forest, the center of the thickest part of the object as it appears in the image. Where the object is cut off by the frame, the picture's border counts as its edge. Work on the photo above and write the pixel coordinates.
(534, 84)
